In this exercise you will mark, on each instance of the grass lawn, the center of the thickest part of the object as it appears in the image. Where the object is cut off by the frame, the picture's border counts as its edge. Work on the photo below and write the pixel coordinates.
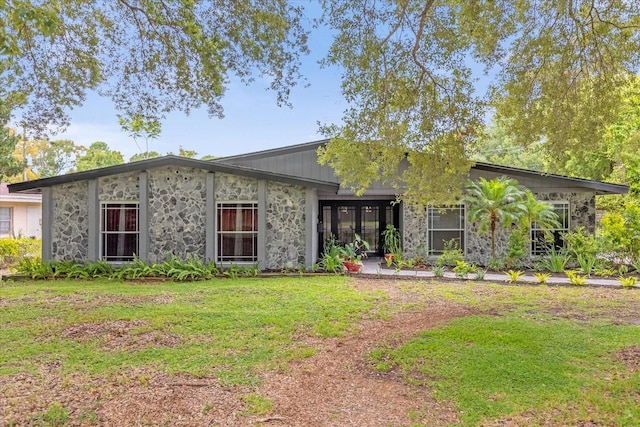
(528, 355)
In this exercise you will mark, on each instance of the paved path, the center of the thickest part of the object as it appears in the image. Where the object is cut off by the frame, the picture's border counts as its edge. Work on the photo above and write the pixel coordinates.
(376, 266)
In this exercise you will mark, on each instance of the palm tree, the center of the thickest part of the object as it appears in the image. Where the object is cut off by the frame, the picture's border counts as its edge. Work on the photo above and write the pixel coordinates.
(541, 213)
(500, 201)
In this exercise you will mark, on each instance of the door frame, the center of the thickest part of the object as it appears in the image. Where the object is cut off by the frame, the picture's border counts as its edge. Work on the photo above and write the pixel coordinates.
(357, 204)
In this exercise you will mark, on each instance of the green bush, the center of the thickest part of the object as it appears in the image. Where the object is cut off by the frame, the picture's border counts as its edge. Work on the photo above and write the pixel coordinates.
(451, 254)
(620, 230)
(13, 250)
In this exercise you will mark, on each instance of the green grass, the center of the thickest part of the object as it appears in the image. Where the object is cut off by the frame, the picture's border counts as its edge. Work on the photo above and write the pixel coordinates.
(526, 364)
(228, 328)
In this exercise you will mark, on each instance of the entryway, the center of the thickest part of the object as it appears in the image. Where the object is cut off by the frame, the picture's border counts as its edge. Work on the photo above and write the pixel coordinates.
(367, 218)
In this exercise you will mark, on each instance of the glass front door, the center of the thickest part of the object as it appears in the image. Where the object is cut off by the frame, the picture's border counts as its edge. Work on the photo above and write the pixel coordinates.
(345, 219)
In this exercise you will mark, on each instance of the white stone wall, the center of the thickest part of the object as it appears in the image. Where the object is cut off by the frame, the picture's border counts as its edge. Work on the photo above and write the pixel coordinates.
(119, 188)
(414, 230)
(177, 213)
(285, 233)
(234, 187)
(69, 227)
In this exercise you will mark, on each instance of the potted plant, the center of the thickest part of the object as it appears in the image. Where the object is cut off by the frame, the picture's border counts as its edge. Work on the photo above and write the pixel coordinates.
(391, 237)
(352, 254)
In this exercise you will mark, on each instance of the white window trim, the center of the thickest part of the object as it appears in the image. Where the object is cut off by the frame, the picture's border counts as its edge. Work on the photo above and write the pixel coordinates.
(101, 255)
(217, 232)
(463, 217)
(10, 220)
(554, 203)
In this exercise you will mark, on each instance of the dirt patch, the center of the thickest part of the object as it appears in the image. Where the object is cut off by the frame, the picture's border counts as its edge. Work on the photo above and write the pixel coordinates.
(120, 335)
(630, 357)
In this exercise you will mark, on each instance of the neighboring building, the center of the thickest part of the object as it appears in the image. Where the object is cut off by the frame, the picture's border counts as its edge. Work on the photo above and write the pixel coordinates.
(20, 214)
(274, 207)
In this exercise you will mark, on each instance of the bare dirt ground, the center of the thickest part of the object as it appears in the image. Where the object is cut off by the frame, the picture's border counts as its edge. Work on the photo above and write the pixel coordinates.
(334, 387)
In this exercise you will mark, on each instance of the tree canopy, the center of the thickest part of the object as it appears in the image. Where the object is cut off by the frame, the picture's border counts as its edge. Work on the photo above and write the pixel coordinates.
(552, 71)
(410, 67)
(150, 57)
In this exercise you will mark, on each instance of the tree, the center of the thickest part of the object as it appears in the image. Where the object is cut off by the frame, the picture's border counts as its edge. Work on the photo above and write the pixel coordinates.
(50, 158)
(493, 203)
(9, 165)
(98, 155)
(149, 57)
(141, 127)
(409, 68)
(144, 156)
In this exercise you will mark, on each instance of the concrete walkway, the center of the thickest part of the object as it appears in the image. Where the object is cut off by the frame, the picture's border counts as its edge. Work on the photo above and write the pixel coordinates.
(377, 267)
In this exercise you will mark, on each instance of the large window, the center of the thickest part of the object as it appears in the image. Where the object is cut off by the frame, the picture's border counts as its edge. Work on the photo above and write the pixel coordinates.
(119, 231)
(6, 215)
(445, 224)
(237, 234)
(541, 245)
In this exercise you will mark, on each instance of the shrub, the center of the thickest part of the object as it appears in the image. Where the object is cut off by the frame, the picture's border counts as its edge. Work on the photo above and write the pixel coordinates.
(451, 254)
(581, 243)
(513, 276)
(462, 269)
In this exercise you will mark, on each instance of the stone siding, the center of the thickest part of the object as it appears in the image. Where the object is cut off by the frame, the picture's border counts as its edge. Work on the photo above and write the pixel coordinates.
(582, 211)
(414, 231)
(119, 188)
(69, 228)
(285, 233)
(177, 213)
(234, 187)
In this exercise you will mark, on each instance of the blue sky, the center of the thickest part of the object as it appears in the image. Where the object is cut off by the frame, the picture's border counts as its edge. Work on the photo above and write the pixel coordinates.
(252, 121)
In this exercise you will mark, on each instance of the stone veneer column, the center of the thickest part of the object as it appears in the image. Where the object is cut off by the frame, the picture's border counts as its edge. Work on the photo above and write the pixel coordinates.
(210, 224)
(47, 221)
(262, 223)
(143, 219)
(93, 221)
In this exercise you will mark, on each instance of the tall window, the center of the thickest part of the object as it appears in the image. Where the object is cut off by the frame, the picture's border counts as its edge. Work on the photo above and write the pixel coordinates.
(237, 233)
(540, 245)
(6, 215)
(119, 231)
(444, 224)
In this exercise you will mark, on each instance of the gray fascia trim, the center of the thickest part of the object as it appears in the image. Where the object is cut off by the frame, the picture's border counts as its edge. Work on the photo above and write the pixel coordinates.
(274, 151)
(600, 187)
(36, 185)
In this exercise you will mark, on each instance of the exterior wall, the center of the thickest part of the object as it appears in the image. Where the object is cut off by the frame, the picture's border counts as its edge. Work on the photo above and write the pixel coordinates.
(285, 234)
(582, 210)
(414, 231)
(177, 213)
(21, 224)
(69, 225)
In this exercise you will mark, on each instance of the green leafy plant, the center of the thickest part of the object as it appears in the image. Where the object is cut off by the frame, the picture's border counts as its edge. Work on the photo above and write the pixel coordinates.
(391, 238)
(331, 260)
(439, 270)
(462, 269)
(587, 263)
(56, 415)
(628, 282)
(479, 274)
(513, 276)
(35, 268)
(575, 278)
(451, 254)
(555, 261)
(542, 277)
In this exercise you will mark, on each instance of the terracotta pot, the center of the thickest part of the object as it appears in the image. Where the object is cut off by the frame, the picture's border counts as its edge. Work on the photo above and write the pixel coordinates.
(352, 266)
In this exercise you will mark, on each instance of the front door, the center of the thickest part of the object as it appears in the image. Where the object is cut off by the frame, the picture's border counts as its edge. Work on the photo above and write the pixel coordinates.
(344, 219)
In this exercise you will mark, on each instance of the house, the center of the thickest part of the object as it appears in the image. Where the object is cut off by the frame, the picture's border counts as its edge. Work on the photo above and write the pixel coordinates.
(20, 214)
(274, 207)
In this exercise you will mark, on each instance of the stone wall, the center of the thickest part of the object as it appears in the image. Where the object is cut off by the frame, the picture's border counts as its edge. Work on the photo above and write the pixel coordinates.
(69, 227)
(234, 187)
(177, 213)
(582, 211)
(414, 230)
(119, 188)
(285, 233)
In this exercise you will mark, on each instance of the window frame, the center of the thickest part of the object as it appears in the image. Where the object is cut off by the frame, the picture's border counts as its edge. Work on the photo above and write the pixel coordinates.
(462, 229)
(219, 233)
(104, 207)
(537, 250)
(9, 221)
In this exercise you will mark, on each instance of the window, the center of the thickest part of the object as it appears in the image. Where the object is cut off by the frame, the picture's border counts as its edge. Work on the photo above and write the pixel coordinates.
(237, 234)
(119, 231)
(540, 245)
(6, 215)
(444, 224)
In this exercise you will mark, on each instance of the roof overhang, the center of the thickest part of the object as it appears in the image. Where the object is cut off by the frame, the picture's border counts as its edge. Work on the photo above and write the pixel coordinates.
(37, 185)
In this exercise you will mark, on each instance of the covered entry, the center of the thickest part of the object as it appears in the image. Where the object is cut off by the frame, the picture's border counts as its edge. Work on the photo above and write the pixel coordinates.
(368, 218)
